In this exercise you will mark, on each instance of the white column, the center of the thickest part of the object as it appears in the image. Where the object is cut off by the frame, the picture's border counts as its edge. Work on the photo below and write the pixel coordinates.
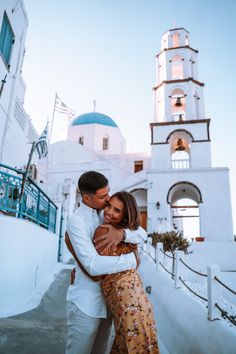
(159, 255)
(213, 291)
(178, 268)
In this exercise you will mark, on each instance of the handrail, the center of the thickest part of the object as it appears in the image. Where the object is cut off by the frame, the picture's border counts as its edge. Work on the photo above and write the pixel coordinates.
(31, 180)
(34, 205)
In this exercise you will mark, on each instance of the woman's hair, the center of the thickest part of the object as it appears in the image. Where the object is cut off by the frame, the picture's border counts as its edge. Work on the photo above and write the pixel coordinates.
(131, 218)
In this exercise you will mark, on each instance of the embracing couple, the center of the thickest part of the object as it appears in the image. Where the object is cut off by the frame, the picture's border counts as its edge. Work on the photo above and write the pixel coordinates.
(102, 235)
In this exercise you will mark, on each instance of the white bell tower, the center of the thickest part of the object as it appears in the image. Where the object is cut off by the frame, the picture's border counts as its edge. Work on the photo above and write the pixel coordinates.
(181, 169)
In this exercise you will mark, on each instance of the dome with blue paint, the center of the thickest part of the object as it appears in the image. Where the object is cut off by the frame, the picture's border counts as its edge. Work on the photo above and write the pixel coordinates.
(94, 118)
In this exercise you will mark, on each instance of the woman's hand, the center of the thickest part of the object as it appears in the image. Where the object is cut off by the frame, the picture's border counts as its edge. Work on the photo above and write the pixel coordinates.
(107, 237)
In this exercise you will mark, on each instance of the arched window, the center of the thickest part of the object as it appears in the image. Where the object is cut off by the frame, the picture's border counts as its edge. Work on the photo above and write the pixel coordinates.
(180, 145)
(176, 39)
(105, 143)
(177, 68)
(185, 217)
(178, 105)
(184, 198)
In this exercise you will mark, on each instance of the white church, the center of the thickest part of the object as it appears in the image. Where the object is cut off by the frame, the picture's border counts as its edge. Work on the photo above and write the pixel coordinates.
(175, 186)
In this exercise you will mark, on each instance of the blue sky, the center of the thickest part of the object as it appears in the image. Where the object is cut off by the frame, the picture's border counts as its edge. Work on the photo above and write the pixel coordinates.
(105, 50)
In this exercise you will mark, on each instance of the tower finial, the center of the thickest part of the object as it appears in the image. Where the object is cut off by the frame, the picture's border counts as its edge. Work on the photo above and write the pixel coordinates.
(94, 105)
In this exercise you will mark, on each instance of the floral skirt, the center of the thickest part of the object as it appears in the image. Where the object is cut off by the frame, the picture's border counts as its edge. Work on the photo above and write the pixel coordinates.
(132, 313)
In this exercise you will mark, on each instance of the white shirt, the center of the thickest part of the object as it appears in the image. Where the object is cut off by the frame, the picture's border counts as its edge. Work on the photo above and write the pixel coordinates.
(85, 293)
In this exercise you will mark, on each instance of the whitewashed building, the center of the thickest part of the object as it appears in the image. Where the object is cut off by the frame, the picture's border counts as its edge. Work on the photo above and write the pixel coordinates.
(16, 129)
(176, 185)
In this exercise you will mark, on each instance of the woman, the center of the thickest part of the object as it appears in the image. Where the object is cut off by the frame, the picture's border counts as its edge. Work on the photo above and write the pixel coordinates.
(124, 293)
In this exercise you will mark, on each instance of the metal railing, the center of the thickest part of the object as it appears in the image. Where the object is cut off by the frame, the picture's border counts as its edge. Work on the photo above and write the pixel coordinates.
(181, 163)
(35, 205)
(212, 277)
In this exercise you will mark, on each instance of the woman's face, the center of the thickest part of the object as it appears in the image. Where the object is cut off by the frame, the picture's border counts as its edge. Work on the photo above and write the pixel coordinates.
(114, 211)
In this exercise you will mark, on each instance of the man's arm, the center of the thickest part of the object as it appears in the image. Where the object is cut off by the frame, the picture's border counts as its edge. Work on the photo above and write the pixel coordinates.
(115, 236)
(71, 249)
(86, 253)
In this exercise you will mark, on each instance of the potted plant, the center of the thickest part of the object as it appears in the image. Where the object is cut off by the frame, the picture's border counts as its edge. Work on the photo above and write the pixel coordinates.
(172, 241)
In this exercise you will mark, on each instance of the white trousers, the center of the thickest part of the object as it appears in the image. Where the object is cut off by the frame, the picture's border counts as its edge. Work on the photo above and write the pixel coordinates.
(87, 335)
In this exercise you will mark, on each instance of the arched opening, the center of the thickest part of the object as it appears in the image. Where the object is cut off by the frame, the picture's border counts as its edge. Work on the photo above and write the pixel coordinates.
(141, 199)
(178, 105)
(105, 143)
(180, 147)
(176, 39)
(177, 68)
(185, 217)
(184, 199)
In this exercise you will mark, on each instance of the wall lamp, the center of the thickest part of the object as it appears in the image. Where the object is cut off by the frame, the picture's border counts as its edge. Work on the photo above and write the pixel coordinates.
(158, 205)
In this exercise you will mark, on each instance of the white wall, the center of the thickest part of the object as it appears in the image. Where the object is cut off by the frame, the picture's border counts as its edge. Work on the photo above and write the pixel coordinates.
(15, 124)
(215, 210)
(181, 320)
(28, 253)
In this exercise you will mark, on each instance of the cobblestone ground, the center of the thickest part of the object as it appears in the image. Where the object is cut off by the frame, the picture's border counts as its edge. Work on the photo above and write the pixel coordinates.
(42, 330)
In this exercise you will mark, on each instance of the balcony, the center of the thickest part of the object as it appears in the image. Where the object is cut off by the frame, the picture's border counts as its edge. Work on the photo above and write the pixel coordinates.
(35, 205)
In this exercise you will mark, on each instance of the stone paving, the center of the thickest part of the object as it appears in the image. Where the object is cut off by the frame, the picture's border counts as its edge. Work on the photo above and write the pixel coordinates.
(42, 330)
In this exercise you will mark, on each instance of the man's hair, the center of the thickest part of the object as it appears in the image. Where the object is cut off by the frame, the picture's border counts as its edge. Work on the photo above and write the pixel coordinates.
(89, 182)
(131, 218)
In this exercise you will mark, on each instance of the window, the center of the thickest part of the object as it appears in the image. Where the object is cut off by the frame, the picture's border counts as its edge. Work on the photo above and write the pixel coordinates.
(176, 39)
(138, 166)
(177, 68)
(178, 105)
(105, 143)
(6, 40)
(81, 140)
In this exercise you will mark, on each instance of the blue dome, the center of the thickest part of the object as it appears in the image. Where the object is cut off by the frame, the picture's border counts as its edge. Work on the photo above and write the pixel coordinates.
(94, 118)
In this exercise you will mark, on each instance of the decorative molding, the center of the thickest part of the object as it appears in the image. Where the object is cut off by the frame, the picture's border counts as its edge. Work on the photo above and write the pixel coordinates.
(178, 81)
(174, 48)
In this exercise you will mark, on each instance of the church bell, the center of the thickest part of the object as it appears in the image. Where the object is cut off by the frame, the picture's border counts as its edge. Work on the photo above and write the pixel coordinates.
(178, 102)
(179, 146)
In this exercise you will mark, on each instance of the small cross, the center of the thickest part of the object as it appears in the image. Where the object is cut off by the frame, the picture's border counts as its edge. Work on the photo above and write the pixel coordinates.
(94, 105)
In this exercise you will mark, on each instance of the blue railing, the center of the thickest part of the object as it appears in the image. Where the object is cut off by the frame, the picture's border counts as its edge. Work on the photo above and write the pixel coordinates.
(34, 206)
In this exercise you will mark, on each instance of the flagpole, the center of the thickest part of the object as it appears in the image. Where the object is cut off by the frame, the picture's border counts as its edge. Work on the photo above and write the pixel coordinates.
(53, 113)
(48, 174)
(25, 175)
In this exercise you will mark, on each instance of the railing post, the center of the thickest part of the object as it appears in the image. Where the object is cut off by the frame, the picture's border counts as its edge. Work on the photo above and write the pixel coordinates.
(38, 205)
(48, 216)
(213, 291)
(158, 254)
(58, 219)
(178, 268)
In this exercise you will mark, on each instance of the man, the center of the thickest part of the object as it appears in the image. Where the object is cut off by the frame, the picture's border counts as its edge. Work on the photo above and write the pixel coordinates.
(88, 325)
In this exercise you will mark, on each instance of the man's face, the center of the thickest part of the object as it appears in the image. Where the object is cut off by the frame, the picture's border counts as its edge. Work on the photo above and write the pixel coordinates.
(99, 199)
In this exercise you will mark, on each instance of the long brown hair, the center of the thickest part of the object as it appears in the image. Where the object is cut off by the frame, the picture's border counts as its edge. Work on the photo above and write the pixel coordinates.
(131, 218)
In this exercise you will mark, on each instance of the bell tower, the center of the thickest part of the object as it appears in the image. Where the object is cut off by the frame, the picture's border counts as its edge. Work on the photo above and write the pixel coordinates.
(180, 132)
(187, 193)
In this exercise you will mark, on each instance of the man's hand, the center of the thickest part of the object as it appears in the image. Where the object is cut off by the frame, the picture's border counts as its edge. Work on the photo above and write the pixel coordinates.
(108, 239)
